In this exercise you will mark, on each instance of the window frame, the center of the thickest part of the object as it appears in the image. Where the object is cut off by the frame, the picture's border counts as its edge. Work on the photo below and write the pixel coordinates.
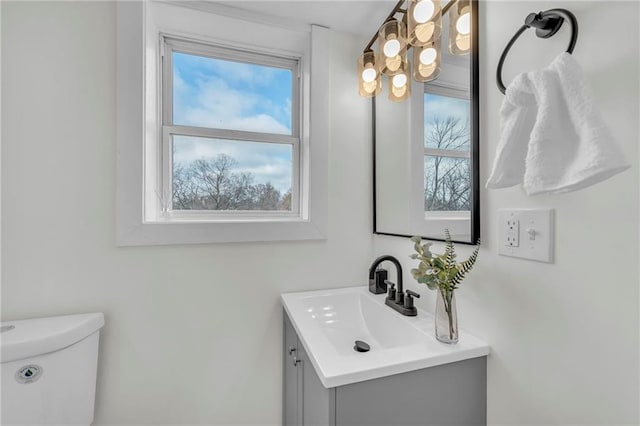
(168, 129)
(451, 91)
(138, 25)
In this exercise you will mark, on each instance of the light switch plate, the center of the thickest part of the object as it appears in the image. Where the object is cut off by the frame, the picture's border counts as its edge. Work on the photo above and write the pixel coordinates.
(526, 233)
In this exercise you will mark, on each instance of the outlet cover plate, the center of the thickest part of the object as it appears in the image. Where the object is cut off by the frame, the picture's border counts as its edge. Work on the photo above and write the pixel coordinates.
(535, 233)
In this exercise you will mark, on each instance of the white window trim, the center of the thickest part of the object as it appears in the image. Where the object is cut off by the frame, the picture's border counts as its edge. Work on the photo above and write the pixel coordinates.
(132, 127)
(447, 153)
(447, 89)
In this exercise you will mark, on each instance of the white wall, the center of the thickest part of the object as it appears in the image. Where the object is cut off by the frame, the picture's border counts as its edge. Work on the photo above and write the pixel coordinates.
(193, 333)
(564, 336)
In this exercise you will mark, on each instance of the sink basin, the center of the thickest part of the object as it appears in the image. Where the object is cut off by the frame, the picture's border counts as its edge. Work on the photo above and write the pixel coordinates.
(329, 322)
(346, 316)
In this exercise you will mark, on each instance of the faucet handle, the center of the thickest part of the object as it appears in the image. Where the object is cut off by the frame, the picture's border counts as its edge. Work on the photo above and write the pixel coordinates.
(408, 301)
(392, 289)
(412, 293)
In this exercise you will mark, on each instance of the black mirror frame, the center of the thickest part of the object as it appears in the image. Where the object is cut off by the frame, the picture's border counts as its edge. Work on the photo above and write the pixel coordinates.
(475, 142)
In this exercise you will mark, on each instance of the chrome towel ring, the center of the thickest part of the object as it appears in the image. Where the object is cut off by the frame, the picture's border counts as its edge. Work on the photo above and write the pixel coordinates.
(546, 23)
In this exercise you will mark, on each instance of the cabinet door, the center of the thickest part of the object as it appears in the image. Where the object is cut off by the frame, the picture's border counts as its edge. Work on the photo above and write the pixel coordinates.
(318, 402)
(292, 377)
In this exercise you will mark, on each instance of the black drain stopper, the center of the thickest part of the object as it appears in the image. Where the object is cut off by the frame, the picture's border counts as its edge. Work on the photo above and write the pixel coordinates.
(361, 346)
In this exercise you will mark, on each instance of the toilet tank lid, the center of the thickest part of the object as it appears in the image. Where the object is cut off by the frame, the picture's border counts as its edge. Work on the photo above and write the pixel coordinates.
(32, 337)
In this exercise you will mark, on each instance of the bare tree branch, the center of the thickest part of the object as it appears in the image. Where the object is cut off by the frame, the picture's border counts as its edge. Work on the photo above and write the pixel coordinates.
(447, 179)
(212, 184)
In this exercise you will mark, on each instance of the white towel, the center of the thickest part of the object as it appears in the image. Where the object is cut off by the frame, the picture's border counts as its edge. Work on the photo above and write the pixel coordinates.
(553, 137)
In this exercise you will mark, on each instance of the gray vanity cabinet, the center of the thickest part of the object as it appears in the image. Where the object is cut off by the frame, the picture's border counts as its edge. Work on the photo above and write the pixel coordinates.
(450, 394)
(305, 400)
(291, 377)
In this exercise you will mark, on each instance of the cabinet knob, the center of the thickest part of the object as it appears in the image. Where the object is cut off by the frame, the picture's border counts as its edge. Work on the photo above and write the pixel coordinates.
(296, 361)
(291, 350)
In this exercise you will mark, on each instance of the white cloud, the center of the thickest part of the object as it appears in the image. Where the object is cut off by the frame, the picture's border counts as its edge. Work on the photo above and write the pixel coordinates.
(439, 106)
(266, 162)
(215, 104)
(248, 74)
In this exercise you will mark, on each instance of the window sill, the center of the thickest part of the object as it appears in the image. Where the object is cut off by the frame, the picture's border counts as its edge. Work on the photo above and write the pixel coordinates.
(458, 223)
(457, 216)
(200, 232)
(198, 216)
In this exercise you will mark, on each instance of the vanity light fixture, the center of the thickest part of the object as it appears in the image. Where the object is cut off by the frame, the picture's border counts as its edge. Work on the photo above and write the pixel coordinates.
(419, 29)
(369, 81)
(426, 61)
(424, 21)
(460, 28)
(400, 85)
(392, 38)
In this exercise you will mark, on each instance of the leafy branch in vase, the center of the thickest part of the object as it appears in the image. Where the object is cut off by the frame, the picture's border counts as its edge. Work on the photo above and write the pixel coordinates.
(441, 271)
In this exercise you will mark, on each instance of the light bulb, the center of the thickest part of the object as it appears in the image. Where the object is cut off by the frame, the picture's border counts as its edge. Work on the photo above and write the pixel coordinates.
(423, 11)
(399, 80)
(428, 56)
(463, 24)
(391, 48)
(368, 75)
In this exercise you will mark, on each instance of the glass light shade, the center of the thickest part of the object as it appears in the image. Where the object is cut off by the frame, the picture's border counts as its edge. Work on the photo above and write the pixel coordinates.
(392, 47)
(460, 28)
(369, 80)
(424, 21)
(463, 25)
(400, 85)
(426, 61)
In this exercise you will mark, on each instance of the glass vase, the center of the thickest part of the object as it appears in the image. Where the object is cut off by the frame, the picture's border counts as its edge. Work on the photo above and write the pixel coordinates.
(446, 317)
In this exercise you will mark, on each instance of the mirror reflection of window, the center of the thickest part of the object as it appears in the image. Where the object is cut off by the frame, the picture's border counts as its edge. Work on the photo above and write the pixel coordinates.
(447, 137)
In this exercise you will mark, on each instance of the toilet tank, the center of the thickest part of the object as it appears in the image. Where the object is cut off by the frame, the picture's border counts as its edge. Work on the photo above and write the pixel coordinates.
(49, 370)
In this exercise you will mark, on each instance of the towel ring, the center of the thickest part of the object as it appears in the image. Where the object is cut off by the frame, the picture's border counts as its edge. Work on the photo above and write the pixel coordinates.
(546, 23)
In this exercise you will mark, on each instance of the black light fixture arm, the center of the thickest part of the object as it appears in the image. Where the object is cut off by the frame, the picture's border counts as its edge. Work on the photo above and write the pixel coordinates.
(546, 23)
(447, 6)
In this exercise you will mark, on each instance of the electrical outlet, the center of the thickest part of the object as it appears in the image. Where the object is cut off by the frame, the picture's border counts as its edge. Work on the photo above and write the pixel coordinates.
(512, 231)
(526, 233)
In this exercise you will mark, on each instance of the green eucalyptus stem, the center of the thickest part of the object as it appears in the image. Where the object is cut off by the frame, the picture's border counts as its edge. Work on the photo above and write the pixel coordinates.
(442, 273)
(447, 297)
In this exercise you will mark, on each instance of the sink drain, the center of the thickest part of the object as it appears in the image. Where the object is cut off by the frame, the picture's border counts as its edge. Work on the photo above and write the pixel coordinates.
(7, 328)
(361, 346)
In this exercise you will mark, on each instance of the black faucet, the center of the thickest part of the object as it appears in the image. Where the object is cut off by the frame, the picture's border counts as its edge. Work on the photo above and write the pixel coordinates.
(397, 299)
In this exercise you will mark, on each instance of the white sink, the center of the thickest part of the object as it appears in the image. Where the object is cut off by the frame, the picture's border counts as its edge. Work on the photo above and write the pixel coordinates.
(330, 321)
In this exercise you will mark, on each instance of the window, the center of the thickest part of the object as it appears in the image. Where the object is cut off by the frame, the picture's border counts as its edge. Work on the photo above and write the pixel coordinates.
(439, 157)
(447, 168)
(230, 133)
(215, 141)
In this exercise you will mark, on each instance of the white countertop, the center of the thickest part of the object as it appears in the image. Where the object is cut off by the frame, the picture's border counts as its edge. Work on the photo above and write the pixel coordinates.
(329, 321)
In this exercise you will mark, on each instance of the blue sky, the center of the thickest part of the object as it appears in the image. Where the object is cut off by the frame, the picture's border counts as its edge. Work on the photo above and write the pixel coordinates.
(436, 106)
(236, 96)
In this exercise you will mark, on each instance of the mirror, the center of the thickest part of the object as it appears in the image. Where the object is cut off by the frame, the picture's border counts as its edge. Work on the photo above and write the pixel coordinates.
(426, 153)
